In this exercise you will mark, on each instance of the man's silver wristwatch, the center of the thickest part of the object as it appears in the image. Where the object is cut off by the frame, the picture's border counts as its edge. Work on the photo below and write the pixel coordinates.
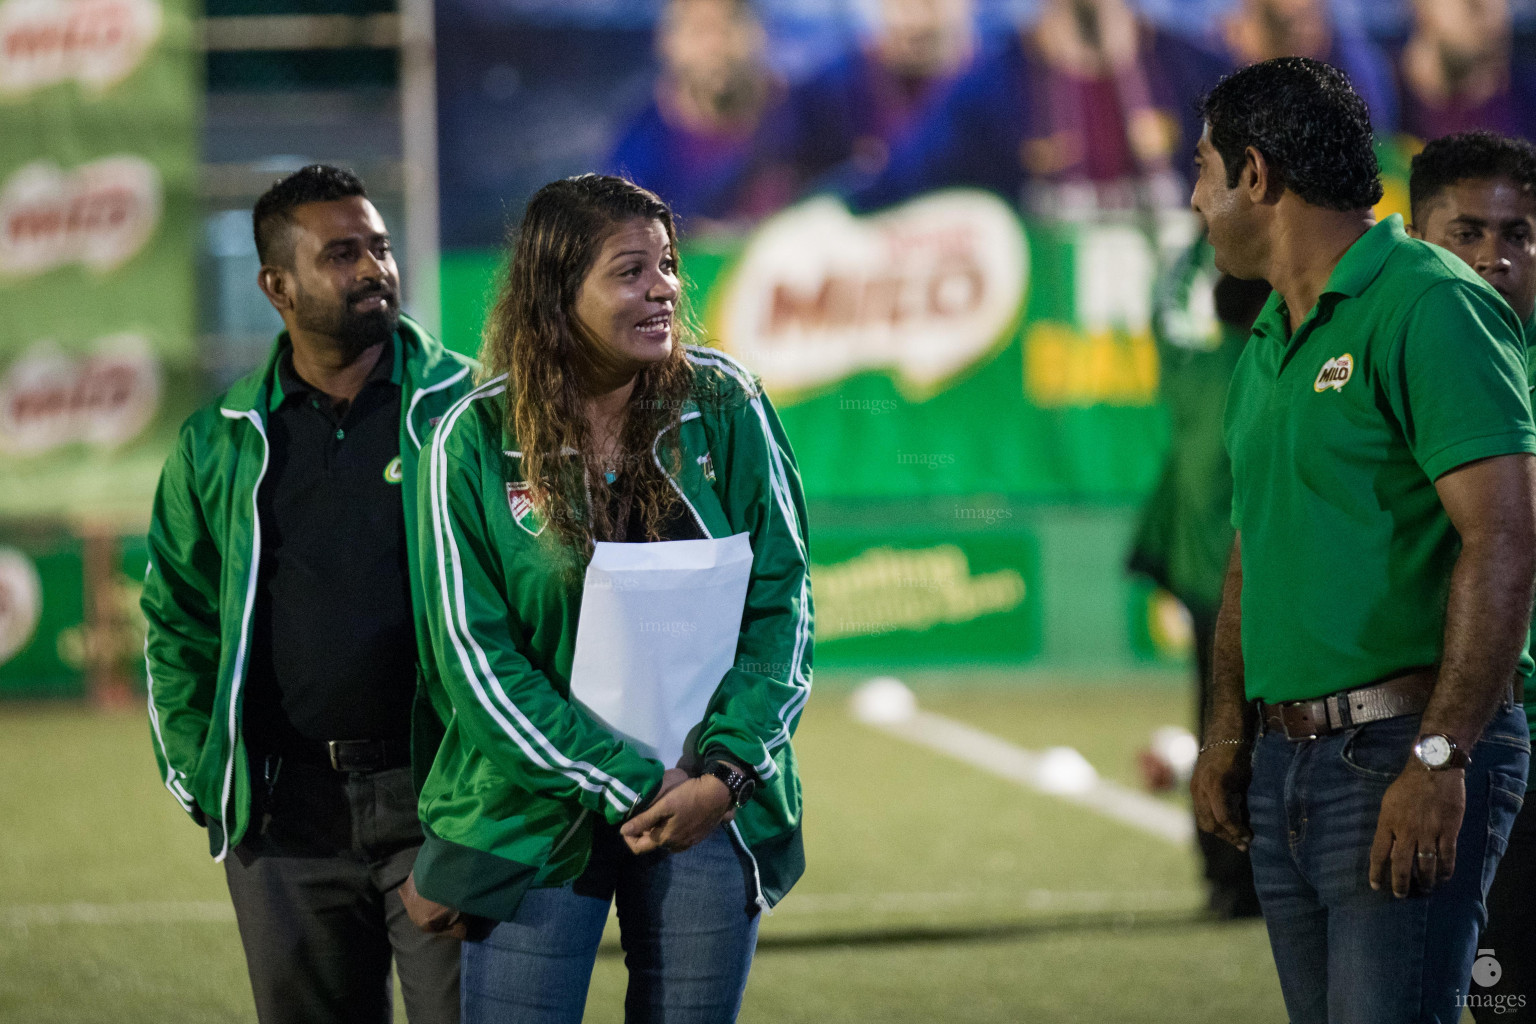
(1438, 752)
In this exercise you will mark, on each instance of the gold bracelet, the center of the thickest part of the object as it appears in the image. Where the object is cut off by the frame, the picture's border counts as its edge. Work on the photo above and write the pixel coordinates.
(1221, 743)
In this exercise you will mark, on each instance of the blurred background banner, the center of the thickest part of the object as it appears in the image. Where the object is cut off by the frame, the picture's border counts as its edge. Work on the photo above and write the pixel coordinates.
(934, 230)
(938, 229)
(99, 110)
(100, 106)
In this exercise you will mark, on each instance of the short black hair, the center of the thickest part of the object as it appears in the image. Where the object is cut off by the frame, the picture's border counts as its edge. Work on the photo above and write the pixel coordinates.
(1312, 127)
(1465, 155)
(273, 215)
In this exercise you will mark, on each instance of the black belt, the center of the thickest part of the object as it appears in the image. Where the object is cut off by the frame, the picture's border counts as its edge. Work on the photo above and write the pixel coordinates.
(350, 755)
(1323, 716)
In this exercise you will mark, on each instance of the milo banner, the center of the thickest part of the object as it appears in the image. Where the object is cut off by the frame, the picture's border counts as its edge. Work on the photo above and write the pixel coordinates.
(99, 112)
(954, 381)
(939, 347)
(936, 241)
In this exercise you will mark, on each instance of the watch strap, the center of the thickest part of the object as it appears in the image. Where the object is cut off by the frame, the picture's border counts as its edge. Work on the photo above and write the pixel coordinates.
(738, 781)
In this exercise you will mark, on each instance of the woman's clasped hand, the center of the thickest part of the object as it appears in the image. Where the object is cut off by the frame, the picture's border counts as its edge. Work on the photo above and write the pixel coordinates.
(683, 812)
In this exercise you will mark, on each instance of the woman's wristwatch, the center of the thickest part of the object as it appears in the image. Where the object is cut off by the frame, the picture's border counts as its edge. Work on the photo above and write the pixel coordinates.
(741, 783)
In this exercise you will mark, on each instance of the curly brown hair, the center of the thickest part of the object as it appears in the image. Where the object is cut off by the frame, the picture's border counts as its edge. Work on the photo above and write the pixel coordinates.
(535, 337)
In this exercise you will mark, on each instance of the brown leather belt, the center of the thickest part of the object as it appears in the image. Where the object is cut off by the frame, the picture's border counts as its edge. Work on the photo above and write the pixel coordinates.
(1322, 716)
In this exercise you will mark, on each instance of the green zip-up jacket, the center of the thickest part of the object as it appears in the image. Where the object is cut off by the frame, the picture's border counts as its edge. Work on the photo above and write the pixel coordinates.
(523, 772)
(199, 590)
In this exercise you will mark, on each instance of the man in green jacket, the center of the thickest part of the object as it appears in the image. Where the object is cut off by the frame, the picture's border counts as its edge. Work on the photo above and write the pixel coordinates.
(284, 616)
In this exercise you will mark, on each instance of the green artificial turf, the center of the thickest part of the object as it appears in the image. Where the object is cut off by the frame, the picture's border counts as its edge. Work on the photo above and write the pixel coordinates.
(934, 892)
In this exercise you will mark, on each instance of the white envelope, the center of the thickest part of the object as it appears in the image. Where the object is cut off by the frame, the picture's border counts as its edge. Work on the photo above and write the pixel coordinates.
(658, 630)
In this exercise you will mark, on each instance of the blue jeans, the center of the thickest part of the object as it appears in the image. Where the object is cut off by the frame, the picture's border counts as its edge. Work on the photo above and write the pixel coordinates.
(687, 922)
(1348, 954)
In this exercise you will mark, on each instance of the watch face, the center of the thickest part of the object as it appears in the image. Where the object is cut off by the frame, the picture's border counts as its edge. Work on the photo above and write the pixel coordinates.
(1434, 751)
(744, 794)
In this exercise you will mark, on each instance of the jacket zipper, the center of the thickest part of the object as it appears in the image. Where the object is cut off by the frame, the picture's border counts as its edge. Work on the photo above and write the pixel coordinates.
(560, 844)
(757, 878)
(237, 676)
(656, 456)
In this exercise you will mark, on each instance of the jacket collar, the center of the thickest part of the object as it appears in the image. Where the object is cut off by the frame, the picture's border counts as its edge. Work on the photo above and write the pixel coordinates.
(420, 362)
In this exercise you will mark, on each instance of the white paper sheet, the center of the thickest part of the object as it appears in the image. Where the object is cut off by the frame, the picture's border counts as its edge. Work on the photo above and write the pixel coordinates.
(658, 630)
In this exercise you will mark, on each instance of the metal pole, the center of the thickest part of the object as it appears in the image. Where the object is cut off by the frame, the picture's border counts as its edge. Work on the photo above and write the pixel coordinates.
(418, 118)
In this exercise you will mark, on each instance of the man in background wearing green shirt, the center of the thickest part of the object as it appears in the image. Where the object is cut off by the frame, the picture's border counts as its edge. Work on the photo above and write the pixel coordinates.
(1200, 320)
(1475, 194)
(1363, 741)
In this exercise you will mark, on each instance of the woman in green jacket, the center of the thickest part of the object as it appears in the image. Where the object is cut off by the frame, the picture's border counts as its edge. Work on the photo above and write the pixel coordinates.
(597, 424)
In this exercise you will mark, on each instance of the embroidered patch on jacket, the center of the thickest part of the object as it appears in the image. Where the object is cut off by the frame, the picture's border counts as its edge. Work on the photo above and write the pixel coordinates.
(1335, 373)
(707, 464)
(520, 501)
(395, 471)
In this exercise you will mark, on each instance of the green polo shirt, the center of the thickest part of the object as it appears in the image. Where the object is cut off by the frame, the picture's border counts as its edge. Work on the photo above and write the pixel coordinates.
(1408, 367)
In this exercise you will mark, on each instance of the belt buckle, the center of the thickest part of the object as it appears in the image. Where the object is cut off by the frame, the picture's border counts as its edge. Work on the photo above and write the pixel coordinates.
(1285, 722)
(357, 755)
(352, 755)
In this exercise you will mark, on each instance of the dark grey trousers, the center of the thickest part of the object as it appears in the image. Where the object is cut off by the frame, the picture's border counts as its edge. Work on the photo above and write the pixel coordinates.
(314, 885)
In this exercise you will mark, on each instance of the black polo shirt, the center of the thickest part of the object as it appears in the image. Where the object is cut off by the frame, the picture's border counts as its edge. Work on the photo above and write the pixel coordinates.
(333, 651)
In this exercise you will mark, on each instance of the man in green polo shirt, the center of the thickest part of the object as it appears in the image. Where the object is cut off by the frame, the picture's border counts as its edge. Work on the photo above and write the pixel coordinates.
(1362, 743)
(1185, 531)
(1475, 194)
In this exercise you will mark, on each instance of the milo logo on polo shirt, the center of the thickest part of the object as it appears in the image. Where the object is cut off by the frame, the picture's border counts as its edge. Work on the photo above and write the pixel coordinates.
(1335, 373)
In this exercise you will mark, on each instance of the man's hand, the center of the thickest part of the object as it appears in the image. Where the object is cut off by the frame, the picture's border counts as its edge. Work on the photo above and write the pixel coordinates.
(680, 816)
(433, 918)
(1219, 787)
(1416, 832)
(670, 780)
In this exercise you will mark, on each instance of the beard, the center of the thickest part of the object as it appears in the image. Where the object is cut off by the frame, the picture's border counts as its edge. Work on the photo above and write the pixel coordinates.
(354, 331)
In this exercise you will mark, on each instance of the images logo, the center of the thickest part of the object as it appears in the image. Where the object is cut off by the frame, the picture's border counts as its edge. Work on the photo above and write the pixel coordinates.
(97, 43)
(1486, 971)
(1335, 373)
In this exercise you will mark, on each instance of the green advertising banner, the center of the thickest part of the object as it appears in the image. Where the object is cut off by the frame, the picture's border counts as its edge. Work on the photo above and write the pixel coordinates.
(99, 116)
(69, 610)
(940, 347)
(959, 386)
(99, 110)
(974, 403)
